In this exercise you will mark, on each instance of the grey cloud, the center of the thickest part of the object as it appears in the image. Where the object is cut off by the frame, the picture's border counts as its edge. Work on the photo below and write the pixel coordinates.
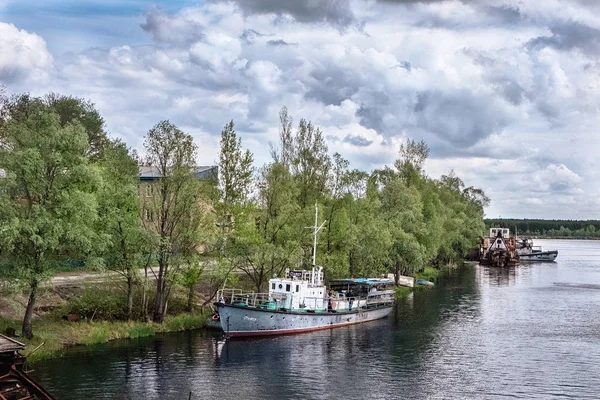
(500, 75)
(332, 84)
(505, 13)
(280, 42)
(357, 140)
(462, 118)
(335, 12)
(172, 30)
(249, 35)
(569, 36)
(373, 110)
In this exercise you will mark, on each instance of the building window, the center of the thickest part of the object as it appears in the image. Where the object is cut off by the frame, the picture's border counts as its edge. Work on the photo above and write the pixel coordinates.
(297, 288)
(273, 286)
(288, 287)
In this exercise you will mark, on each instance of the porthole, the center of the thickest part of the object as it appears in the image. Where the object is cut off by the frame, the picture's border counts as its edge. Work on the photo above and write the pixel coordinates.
(280, 286)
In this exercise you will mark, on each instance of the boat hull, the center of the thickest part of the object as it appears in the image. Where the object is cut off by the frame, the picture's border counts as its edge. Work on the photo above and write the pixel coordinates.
(543, 256)
(237, 321)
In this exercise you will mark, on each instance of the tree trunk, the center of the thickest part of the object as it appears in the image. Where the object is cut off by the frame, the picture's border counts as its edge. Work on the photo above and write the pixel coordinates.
(129, 297)
(27, 330)
(191, 292)
(160, 298)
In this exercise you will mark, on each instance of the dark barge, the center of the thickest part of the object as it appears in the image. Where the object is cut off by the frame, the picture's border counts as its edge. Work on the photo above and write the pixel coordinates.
(499, 249)
(15, 383)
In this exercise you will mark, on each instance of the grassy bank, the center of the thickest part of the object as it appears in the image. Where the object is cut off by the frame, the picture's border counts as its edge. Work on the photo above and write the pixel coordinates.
(57, 334)
(428, 273)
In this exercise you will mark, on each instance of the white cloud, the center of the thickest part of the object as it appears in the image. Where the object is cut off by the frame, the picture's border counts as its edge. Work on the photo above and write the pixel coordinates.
(23, 57)
(502, 96)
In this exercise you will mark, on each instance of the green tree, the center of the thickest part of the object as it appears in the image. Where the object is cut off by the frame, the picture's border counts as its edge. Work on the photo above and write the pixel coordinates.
(174, 214)
(69, 110)
(119, 215)
(235, 174)
(48, 203)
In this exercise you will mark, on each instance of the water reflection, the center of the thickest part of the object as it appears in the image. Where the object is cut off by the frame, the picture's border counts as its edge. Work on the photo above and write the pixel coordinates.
(481, 332)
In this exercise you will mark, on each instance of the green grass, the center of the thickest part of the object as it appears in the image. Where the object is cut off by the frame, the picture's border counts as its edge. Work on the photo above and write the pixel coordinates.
(429, 274)
(57, 334)
(403, 291)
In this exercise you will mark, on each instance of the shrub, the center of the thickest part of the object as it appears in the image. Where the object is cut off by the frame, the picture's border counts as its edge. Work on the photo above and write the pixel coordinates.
(98, 304)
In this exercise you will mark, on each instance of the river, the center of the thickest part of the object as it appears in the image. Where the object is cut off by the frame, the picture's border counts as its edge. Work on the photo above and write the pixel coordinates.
(527, 332)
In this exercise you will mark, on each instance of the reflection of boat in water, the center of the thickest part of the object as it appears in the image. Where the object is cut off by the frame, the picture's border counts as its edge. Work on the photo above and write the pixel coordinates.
(15, 383)
(528, 252)
(499, 249)
(300, 302)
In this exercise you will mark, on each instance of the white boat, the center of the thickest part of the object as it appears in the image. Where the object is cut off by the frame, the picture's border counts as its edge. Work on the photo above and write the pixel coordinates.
(300, 302)
(528, 252)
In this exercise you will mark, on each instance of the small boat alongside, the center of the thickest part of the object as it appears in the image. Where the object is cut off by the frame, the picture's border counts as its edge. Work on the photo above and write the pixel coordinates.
(301, 302)
(528, 252)
(424, 282)
(15, 383)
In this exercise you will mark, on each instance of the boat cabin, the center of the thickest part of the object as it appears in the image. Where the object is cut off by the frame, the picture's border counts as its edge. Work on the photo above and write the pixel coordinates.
(359, 287)
(495, 232)
(298, 290)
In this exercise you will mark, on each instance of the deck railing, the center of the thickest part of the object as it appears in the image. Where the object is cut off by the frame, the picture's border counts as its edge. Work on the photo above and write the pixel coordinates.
(338, 302)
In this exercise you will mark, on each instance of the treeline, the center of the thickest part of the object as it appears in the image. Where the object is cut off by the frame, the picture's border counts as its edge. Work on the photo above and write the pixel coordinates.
(551, 228)
(70, 191)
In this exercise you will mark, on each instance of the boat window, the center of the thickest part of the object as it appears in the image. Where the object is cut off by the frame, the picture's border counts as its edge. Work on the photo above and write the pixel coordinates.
(297, 288)
(280, 286)
(288, 287)
(273, 286)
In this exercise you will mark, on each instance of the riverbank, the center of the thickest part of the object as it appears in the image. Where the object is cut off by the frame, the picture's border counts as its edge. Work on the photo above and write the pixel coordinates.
(429, 274)
(53, 335)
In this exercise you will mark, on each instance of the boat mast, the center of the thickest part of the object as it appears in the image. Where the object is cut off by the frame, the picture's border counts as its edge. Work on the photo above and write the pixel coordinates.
(316, 231)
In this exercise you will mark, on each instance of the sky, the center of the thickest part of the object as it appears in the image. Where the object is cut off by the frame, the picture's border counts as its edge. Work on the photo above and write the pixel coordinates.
(505, 92)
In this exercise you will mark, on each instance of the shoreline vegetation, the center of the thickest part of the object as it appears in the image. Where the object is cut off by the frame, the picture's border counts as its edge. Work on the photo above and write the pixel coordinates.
(172, 232)
(54, 335)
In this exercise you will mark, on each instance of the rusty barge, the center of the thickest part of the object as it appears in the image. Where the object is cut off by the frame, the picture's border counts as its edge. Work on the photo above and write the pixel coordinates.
(15, 383)
(499, 249)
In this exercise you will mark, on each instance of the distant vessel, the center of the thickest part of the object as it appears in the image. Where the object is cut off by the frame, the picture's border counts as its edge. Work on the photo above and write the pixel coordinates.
(498, 249)
(300, 302)
(528, 252)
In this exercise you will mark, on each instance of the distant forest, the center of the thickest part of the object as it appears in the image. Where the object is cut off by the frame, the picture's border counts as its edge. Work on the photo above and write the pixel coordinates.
(551, 228)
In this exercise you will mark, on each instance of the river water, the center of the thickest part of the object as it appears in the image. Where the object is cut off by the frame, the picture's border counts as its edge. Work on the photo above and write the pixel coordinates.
(527, 332)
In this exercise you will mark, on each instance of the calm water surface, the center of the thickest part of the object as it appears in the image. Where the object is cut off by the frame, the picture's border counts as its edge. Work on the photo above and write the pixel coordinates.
(528, 332)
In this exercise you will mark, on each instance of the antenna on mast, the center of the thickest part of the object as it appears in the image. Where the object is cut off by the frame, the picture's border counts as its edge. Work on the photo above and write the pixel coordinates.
(315, 232)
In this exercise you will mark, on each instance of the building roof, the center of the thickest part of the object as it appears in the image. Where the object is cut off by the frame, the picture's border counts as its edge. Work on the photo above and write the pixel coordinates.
(150, 172)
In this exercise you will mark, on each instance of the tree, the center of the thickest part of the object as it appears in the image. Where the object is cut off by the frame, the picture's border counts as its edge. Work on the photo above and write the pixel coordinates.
(119, 215)
(412, 156)
(48, 204)
(69, 110)
(174, 213)
(235, 173)
(310, 163)
(269, 242)
(285, 153)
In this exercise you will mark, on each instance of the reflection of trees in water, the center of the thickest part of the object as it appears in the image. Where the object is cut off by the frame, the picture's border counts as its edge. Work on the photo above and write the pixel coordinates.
(393, 353)
(496, 276)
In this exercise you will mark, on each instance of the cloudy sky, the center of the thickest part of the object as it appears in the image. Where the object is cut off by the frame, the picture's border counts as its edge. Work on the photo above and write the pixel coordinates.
(505, 92)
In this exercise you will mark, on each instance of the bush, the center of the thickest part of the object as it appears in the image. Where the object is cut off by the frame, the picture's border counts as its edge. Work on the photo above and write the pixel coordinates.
(98, 304)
